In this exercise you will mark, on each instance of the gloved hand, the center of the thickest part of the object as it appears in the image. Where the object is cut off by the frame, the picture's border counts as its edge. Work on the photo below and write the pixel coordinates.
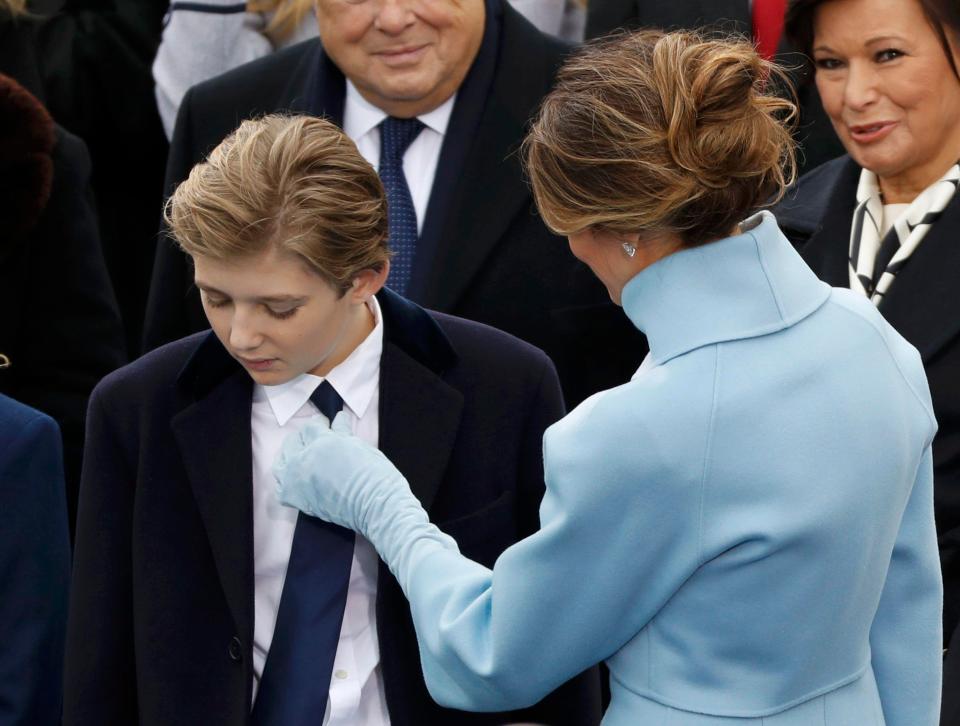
(330, 474)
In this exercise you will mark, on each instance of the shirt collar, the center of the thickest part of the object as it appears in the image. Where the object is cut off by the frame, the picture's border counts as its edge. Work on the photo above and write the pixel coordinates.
(361, 117)
(751, 284)
(355, 379)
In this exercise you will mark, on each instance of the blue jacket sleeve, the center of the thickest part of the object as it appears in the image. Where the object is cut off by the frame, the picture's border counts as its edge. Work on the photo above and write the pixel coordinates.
(906, 635)
(618, 537)
(35, 572)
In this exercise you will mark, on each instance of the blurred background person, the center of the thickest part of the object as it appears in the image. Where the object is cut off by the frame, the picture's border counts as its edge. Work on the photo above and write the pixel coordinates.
(34, 567)
(202, 40)
(60, 331)
(761, 20)
(884, 219)
(744, 530)
(94, 58)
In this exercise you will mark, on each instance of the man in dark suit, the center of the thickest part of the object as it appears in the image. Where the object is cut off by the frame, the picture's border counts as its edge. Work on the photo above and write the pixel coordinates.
(195, 591)
(35, 562)
(473, 74)
(760, 19)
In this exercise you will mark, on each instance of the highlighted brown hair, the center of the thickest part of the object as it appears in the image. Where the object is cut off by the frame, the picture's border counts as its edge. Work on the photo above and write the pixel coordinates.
(653, 132)
(297, 183)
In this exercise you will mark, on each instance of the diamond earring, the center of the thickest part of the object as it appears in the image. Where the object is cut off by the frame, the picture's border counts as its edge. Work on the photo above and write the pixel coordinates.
(629, 249)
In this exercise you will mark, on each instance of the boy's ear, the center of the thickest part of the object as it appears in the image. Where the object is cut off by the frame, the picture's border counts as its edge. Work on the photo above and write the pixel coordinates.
(369, 282)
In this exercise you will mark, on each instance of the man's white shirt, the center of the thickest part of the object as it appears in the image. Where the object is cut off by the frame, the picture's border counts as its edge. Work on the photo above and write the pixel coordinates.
(356, 693)
(361, 120)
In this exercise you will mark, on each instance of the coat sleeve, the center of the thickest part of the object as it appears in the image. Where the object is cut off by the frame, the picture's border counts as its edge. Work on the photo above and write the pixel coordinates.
(906, 637)
(618, 537)
(100, 671)
(578, 701)
(35, 572)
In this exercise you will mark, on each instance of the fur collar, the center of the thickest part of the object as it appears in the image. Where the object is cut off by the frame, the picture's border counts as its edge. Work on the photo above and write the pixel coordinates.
(27, 137)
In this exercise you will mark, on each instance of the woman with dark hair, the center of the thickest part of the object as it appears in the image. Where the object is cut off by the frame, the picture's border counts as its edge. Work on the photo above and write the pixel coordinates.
(884, 219)
(744, 530)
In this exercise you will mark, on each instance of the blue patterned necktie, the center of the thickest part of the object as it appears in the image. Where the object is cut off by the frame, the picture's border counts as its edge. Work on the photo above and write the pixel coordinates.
(296, 677)
(396, 135)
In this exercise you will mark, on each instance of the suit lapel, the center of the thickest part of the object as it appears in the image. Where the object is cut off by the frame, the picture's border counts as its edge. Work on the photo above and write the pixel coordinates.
(419, 411)
(827, 251)
(213, 435)
(419, 420)
(923, 301)
(479, 186)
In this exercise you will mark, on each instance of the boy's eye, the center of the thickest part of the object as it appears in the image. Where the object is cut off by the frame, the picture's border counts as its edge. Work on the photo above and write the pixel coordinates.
(217, 302)
(282, 314)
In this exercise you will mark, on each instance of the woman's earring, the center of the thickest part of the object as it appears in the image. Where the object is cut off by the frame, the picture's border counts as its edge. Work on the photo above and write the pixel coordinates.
(629, 249)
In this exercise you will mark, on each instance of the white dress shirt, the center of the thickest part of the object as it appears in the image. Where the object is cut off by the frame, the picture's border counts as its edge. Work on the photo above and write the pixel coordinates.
(356, 687)
(361, 120)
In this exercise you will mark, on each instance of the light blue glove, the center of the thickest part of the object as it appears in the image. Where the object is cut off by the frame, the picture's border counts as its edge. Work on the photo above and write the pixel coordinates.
(331, 474)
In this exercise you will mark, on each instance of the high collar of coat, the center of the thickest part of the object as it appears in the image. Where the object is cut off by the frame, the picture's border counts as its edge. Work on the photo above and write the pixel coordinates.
(27, 137)
(740, 287)
(406, 326)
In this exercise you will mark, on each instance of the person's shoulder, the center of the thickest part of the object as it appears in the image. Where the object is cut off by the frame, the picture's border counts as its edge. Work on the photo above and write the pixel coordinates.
(805, 202)
(481, 344)
(16, 417)
(151, 375)
(859, 311)
(525, 46)
(658, 422)
(256, 85)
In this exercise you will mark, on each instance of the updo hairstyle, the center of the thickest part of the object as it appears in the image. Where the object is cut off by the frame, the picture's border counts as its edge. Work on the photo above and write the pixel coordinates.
(652, 132)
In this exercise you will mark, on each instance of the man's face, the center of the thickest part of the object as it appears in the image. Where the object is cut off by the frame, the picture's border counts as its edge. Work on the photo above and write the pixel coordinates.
(279, 318)
(404, 56)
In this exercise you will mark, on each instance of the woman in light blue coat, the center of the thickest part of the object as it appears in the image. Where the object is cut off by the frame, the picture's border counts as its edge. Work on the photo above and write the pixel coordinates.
(744, 531)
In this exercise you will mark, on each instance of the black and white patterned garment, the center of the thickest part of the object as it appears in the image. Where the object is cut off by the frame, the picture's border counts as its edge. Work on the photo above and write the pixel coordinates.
(875, 262)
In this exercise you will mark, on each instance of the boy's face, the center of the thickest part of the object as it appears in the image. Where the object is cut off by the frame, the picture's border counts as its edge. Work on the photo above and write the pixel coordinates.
(279, 318)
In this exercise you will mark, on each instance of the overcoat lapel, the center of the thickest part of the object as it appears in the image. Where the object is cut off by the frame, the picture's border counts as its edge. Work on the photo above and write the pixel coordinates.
(214, 439)
(469, 212)
(419, 420)
(827, 251)
(419, 412)
(924, 300)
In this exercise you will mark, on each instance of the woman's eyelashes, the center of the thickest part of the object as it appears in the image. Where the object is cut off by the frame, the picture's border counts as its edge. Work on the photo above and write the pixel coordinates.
(888, 54)
(830, 63)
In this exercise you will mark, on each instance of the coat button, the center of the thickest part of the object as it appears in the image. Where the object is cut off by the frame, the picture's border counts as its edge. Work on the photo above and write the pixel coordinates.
(235, 650)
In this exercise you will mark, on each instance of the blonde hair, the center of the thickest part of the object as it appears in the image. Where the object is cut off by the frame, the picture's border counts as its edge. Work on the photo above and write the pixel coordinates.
(13, 8)
(653, 132)
(286, 15)
(297, 183)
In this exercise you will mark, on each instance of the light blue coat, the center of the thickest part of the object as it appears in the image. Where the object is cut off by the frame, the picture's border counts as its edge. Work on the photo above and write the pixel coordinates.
(744, 531)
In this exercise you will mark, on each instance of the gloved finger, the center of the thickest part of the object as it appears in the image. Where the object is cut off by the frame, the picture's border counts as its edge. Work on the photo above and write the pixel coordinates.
(341, 425)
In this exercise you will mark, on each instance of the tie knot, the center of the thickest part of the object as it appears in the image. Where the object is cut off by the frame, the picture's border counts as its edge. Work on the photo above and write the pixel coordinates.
(396, 135)
(327, 400)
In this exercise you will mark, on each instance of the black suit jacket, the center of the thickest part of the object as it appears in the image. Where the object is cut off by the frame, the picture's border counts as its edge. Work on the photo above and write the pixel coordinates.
(923, 304)
(161, 618)
(817, 141)
(484, 253)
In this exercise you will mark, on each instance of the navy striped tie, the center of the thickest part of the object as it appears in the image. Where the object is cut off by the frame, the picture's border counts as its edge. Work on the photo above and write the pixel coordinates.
(296, 677)
(396, 135)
